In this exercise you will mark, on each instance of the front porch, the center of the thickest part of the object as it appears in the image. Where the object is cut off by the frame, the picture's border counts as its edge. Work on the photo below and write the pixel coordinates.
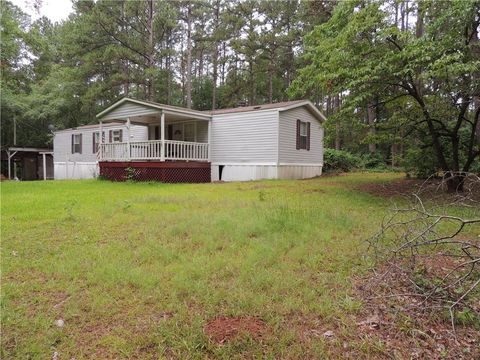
(173, 133)
(157, 150)
(174, 148)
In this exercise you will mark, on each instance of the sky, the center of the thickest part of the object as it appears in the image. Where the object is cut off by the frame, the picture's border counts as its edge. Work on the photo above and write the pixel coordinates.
(55, 10)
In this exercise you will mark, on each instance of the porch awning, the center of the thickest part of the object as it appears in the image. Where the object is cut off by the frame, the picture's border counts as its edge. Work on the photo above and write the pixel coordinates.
(143, 111)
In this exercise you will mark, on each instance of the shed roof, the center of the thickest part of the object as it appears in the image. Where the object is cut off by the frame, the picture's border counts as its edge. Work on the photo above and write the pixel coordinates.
(29, 149)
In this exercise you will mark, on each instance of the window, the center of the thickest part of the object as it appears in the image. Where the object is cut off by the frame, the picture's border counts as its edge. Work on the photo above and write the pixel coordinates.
(117, 136)
(303, 135)
(76, 143)
(189, 132)
(96, 141)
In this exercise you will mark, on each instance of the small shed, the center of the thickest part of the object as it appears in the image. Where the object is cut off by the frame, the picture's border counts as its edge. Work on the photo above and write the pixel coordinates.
(28, 163)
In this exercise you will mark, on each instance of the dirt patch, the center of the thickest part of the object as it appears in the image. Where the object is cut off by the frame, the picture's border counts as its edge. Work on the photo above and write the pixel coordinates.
(321, 191)
(397, 188)
(433, 189)
(223, 329)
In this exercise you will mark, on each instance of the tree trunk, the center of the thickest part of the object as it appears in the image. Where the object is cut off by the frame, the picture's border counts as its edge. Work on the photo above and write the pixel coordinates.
(150, 61)
(475, 44)
(394, 154)
(215, 56)
(336, 107)
(215, 77)
(124, 62)
(455, 182)
(188, 85)
(270, 83)
(169, 68)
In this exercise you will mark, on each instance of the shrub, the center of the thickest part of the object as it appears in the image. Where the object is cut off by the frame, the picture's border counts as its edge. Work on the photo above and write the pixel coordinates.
(338, 160)
(130, 174)
(420, 163)
(373, 161)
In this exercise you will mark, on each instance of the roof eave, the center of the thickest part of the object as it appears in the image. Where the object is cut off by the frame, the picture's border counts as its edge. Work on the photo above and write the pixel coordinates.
(318, 114)
(153, 106)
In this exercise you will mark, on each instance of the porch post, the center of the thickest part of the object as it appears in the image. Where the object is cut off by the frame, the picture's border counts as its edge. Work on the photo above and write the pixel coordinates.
(162, 136)
(100, 146)
(9, 166)
(128, 139)
(209, 139)
(44, 158)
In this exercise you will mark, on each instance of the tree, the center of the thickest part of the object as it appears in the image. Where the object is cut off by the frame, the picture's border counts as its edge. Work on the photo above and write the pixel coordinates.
(362, 52)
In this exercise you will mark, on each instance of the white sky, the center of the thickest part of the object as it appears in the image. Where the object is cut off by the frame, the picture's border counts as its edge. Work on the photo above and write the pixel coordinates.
(55, 10)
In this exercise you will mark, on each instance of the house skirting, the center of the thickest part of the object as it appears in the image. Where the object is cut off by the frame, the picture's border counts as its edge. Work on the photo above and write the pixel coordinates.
(64, 170)
(168, 171)
(247, 172)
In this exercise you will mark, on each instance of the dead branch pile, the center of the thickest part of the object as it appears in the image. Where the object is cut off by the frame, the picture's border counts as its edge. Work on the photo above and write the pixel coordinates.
(434, 243)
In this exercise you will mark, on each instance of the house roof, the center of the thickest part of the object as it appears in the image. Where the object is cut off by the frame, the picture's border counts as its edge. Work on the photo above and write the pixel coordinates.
(154, 105)
(280, 106)
(91, 126)
(255, 107)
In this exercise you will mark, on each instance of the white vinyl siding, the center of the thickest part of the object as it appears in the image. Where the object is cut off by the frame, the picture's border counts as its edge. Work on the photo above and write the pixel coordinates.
(62, 142)
(249, 137)
(288, 153)
(129, 109)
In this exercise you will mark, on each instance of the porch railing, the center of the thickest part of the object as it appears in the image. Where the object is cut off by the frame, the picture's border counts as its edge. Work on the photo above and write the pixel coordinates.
(152, 150)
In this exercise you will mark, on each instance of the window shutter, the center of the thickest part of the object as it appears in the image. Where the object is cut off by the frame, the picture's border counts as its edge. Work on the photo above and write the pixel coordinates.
(298, 134)
(73, 144)
(110, 135)
(80, 144)
(308, 135)
(121, 135)
(94, 145)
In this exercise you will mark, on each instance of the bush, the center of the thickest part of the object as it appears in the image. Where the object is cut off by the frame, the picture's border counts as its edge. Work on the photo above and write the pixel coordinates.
(338, 160)
(420, 163)
(373, 161)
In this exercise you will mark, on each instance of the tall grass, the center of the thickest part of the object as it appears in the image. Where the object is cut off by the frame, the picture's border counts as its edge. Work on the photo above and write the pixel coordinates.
(136, 270)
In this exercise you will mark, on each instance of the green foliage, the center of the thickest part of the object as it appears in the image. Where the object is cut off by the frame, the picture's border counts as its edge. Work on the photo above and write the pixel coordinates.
(420, 163)
(65, 73)
(421, 80)
(373, 161)
(338, 160)
(130, 174)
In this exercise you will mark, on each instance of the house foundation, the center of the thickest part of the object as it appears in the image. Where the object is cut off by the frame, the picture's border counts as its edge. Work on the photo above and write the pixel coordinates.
(167, 172)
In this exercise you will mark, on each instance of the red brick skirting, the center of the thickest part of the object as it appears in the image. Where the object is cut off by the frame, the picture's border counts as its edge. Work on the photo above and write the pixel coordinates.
(169, 171)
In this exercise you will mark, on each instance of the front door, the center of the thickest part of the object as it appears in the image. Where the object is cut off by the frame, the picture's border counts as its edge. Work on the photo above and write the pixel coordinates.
(177, 130)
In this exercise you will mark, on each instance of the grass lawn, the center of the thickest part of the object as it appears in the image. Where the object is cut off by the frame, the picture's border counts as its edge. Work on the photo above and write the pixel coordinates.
(136, 270)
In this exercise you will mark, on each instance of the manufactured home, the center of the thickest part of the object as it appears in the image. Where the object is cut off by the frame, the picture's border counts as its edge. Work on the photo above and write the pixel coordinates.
(143, 140)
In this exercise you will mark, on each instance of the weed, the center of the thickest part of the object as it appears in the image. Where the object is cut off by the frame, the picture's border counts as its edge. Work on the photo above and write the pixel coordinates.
(130, 174)
(69, 207)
